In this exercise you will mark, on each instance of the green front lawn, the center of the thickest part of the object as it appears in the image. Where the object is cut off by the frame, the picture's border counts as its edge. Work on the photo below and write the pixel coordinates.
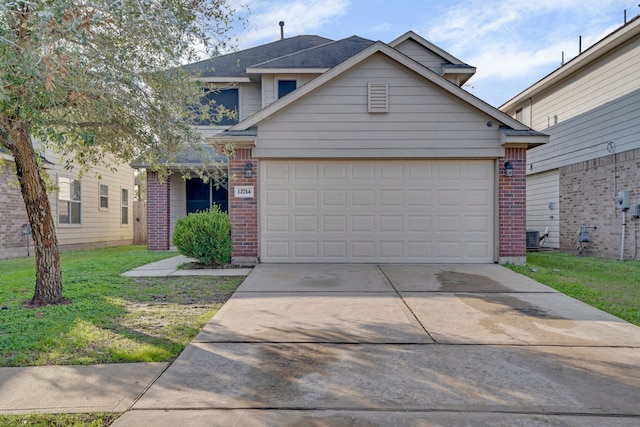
(111, 318)
(610, 285)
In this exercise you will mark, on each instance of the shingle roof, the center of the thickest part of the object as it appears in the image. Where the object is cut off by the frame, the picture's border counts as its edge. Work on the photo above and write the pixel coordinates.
(324, 56)
(524, 132)
(235, 64)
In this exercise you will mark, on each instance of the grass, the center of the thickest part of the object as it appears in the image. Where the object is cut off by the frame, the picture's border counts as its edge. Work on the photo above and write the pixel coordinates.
(610, 285)
(111, 319)
(58, 420)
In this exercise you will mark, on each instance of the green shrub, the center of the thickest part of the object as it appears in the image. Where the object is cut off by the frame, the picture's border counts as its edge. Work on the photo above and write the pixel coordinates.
(205, 236)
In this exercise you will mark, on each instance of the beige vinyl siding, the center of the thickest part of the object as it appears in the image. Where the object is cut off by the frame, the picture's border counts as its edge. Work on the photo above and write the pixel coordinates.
(422, 120)
(98, 225)
(586, 136)
(424, 56)
(270, 85)
(250, 99)
(268, 89)
(543, 189)
(599, 104)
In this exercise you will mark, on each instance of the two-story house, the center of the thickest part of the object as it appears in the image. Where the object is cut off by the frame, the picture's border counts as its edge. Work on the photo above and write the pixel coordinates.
(355, 151)
(94, 211)
(590, 108)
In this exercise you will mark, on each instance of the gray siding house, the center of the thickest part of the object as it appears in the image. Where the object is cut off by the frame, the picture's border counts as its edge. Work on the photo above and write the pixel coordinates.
(356, 151)
(590, 108)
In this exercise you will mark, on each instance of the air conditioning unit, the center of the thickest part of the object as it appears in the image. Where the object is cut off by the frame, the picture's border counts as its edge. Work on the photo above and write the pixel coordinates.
(533, 239)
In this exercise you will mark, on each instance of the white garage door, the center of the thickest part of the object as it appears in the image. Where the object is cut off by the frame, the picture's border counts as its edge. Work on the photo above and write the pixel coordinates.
(377, 211)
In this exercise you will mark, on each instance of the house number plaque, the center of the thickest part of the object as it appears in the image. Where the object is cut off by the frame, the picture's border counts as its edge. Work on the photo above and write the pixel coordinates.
(244, 192)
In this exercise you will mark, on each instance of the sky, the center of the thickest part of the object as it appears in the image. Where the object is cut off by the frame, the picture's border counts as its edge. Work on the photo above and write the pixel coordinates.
(512, 43)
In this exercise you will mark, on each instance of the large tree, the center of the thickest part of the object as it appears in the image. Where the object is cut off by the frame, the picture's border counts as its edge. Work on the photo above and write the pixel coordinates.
(98, 81)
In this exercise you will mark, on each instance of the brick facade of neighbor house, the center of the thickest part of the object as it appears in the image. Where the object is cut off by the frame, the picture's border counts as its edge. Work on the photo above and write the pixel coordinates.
(587, 192)
(13, 215)
(157, 213)
(512, 207)
(243, 211)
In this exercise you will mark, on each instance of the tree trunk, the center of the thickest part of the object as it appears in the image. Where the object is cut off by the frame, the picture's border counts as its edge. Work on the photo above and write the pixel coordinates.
(48, 288)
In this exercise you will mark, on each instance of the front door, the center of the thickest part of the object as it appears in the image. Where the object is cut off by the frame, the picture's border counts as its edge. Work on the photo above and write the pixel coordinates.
(201, 195)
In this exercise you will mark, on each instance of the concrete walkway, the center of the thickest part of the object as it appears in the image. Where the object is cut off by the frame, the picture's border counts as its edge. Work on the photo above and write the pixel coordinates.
(334, 345)
(95, 388)
(400, 345)
(171, 267)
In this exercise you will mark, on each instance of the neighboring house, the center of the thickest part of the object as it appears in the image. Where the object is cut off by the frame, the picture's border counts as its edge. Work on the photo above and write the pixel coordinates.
(590, 107)
(356, 151)
(93, 212)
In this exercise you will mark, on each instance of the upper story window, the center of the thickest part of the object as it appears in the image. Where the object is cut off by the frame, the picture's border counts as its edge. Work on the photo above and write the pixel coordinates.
(69, 201)
(285, 87)
(223, 107)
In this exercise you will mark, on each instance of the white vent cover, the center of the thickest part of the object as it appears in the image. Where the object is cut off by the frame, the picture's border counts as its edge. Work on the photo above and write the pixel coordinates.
(378, 97)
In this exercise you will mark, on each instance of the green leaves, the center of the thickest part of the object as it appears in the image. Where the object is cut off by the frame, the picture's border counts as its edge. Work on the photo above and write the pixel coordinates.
(106, 77)
(205, 236)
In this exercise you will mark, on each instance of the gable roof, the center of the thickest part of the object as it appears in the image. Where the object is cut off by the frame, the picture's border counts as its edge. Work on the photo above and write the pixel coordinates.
(318, 57)
(379, 47)
(235, 64)
(607, 44)
(410, 35)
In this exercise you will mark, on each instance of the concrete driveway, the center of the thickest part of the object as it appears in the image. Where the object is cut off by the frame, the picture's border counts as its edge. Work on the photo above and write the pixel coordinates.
(400, 345)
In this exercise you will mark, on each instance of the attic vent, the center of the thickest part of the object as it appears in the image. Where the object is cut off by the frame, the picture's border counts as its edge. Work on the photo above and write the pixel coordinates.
(378, 101)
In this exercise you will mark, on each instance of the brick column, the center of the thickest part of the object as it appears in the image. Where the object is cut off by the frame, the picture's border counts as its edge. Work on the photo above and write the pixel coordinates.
(512, 208)
(243, 211)
(157, 212)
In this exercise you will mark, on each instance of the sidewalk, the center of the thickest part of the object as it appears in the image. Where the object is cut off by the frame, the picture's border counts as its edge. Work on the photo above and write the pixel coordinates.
(170, 267)
(95, 388)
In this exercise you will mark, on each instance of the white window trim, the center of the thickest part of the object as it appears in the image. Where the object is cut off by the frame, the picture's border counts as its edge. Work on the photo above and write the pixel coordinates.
(100, 196)
(58, 201)
(128, 206)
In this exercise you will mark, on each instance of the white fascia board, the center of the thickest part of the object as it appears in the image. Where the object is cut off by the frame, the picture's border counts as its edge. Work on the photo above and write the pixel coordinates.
(238, 141)
(461, 70)
(287, 70)
(378, 153)
(530, 141)
(400, 58)
(602, 47)
(239, 79)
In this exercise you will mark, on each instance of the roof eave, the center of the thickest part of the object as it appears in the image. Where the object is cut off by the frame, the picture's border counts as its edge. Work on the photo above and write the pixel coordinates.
(608, 43)
(286, 70)
(400, 58)
(529, 141)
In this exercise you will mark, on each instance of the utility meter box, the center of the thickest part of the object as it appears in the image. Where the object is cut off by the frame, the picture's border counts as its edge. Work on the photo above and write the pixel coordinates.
(634, 210)
(623, 199)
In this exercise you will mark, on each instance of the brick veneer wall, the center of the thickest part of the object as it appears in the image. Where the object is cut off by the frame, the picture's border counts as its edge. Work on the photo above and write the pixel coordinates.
(587, 192)
(512, 208)
(12, 215)
(158, 205)
(243, 211)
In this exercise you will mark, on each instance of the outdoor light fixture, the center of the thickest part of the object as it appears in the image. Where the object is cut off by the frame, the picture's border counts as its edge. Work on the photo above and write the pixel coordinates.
(248, 170)
(508, 168)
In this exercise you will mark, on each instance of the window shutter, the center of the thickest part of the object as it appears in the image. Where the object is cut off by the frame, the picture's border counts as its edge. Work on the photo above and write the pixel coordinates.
(378, 99)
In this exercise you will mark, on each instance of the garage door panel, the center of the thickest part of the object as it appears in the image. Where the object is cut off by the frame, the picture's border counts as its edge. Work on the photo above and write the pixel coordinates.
(334, 223)
(307, 172)
(377, 211)
(277, 223)
(478, 198)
